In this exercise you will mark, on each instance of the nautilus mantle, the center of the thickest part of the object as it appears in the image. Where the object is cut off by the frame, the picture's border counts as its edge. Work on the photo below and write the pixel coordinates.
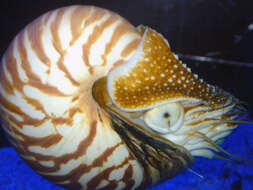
(91, 102)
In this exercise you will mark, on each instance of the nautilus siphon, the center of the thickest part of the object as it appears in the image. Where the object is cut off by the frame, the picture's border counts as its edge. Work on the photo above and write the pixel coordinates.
(91, 102)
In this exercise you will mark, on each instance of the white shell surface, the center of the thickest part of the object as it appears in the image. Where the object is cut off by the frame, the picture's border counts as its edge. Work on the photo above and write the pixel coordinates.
(46, 103)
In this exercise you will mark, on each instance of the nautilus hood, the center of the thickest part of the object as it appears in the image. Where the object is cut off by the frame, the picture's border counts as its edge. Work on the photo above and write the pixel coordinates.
(154, 76)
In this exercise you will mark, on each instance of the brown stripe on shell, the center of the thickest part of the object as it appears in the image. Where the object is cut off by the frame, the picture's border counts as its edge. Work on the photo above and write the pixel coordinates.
(36, 104)
(95, 16)
(93, 37)
(117, 63)
(104, 175)
(27, 120)
(46, 88)
(11, 67)
(76, 22)
(75, 98)
(7, 86)
(55, 25)
(83, 168)
(47, 18)
(33, 79)
(66, 120)
(63, 68)
(44, 142)
(128, 178)
(132, 46)
(35, 32)
(24, 59)
(80, 151)
(97, 32)
(119, 31)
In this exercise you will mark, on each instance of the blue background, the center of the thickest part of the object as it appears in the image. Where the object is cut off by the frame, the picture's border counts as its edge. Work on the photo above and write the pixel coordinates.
(218, 174)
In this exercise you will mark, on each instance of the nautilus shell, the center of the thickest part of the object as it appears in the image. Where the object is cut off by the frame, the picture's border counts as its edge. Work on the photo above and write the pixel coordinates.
(91, 102)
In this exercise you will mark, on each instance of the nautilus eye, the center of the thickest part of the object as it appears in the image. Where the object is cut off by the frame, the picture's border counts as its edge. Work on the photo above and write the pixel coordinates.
(91, 102)
(166, 118)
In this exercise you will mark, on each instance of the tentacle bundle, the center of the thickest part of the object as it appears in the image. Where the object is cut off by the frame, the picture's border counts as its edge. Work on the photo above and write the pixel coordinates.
(91, 102)
(175, 103)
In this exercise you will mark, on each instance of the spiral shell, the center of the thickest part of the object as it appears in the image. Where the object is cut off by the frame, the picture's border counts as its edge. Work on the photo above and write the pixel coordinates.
(50, 75)
(49, 115)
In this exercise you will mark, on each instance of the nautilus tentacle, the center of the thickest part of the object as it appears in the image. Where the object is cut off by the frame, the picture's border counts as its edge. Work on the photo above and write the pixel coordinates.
(91, 102)
(177, 104)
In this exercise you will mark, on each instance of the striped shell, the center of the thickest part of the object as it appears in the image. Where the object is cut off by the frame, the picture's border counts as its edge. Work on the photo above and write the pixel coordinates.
(46, 104)
(59, 117)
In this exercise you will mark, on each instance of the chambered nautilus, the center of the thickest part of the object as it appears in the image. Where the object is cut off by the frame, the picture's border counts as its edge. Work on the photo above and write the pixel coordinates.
(91, 102)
